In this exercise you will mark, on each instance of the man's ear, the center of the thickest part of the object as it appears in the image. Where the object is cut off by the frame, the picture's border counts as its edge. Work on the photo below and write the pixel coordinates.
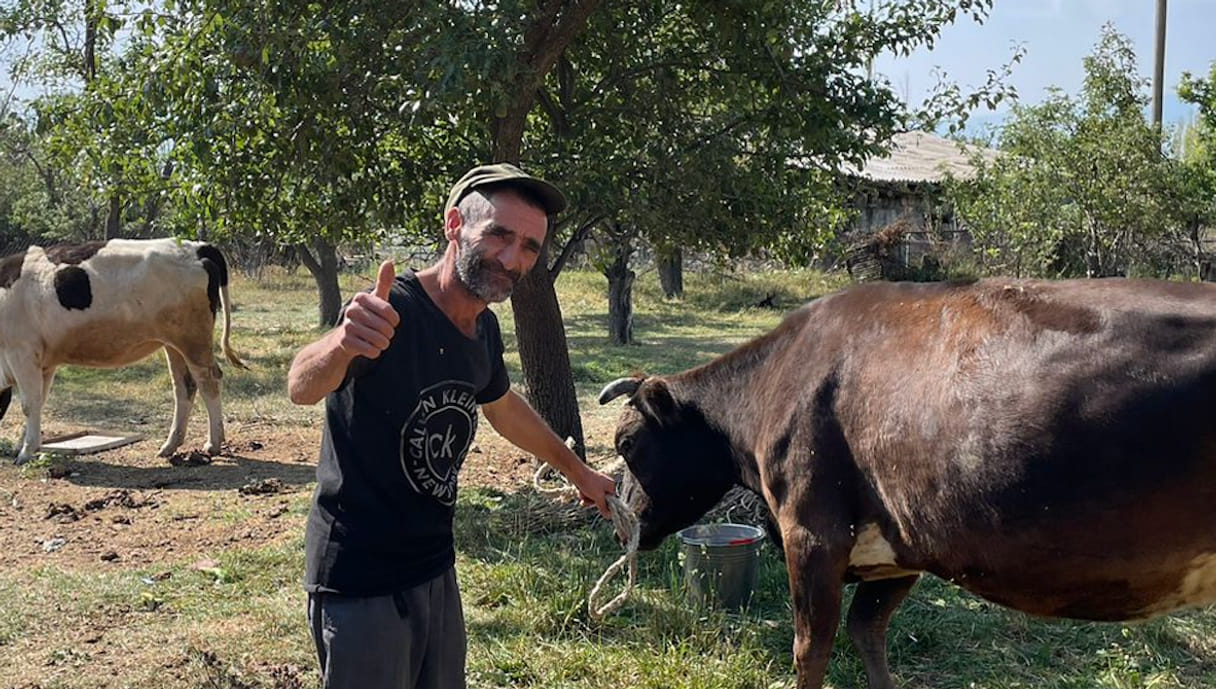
(452, 224)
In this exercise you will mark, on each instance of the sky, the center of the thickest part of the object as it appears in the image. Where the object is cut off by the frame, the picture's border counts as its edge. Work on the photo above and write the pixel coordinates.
(1056, 35)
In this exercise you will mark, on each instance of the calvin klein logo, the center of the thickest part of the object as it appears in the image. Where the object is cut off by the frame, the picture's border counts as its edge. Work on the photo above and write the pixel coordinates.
(436, 438)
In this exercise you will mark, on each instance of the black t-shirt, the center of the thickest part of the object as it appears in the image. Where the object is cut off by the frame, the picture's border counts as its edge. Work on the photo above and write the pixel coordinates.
(396, 432)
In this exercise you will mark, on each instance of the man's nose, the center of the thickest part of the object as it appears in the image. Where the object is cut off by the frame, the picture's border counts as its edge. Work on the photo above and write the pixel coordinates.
(512, 258)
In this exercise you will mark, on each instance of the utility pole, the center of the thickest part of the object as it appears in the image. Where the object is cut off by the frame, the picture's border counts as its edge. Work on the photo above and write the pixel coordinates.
(1159, 64)
(870, 60)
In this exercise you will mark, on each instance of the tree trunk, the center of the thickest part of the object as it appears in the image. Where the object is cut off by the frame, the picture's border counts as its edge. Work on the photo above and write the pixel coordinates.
(620, 295)
(88, 56)
(1093, 253)
(538, 318)
(1203, 264)
(153, 205)
(114, 219)
(324, 269)
(671, 272)
(541, 335)
(543, 353)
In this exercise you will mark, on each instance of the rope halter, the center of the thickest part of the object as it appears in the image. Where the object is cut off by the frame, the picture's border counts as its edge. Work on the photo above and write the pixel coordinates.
(625, 523)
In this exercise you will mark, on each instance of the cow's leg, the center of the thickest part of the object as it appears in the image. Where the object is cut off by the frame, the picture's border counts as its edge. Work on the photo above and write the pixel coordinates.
(184, 389)
(816, 581)
(873, 604)
(48, 378)
(29, 384)
(195, 346)
(207, 375)
(209, 384)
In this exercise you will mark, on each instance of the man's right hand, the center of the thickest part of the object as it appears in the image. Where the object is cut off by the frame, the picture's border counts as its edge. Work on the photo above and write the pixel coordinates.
(370, 320)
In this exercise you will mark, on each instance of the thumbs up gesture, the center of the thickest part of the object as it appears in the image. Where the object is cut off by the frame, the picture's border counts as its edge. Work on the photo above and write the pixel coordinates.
(370, 320)
(384, 280)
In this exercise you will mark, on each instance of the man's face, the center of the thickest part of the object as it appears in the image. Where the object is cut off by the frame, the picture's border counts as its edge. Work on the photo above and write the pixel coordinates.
(497, 251)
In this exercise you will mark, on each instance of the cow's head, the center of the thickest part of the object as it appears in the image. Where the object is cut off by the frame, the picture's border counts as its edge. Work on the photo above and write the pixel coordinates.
(679, 465)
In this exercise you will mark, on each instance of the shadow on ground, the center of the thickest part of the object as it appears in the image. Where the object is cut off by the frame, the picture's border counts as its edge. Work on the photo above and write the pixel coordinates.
(224, 472)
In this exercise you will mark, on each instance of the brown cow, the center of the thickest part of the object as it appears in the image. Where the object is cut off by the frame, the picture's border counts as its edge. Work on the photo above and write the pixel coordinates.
(109, 304)
(1050, 446)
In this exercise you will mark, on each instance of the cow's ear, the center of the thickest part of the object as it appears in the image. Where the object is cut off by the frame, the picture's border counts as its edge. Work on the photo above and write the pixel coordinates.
(655, 400)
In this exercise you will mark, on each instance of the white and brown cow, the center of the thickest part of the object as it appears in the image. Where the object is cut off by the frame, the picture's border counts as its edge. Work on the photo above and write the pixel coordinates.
(109, 304)
(1050, 446)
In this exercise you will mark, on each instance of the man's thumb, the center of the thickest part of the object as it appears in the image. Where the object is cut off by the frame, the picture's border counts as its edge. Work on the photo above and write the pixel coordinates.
(384, 280)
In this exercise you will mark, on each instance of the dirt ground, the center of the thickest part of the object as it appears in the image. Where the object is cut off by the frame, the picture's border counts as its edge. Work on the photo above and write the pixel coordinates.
(126, 507)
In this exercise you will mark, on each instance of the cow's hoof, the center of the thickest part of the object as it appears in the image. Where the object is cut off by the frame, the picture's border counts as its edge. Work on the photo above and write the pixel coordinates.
(22, 459)
(167, 450)
(213, 449)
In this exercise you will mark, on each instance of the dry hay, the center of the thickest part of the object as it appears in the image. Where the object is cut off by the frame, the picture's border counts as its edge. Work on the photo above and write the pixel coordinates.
(527, 512)
(875, 256)
(738, 506)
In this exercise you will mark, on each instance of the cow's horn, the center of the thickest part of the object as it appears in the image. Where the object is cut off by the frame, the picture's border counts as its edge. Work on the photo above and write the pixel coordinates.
(618, 387)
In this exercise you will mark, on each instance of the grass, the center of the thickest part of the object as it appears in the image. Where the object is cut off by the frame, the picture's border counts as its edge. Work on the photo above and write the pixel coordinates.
(525, 573)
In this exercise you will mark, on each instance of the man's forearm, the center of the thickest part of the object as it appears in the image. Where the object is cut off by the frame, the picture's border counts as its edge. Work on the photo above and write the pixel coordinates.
(515, 420)
(317, 371)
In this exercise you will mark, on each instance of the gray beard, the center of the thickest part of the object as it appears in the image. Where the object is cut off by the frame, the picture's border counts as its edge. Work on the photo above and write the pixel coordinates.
(477, 276)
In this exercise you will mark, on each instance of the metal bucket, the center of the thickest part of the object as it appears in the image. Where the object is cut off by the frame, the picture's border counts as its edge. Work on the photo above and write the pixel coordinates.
(720, 563)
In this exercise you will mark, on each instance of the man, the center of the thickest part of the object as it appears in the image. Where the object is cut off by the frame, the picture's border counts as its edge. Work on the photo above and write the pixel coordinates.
(403, 375)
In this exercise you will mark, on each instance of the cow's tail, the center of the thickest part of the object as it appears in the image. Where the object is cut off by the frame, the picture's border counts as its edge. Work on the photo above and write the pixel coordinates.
(217, 289)
(224, 344)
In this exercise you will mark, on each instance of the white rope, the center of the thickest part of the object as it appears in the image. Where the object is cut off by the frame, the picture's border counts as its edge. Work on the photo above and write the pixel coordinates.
(626, 525)
(624, 521)
(542, 475)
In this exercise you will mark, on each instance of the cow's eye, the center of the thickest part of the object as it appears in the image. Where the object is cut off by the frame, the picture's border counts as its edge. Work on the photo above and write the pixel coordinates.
(624, 446)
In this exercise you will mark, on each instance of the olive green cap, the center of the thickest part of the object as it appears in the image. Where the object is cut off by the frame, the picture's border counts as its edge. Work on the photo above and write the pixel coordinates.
(552, 199)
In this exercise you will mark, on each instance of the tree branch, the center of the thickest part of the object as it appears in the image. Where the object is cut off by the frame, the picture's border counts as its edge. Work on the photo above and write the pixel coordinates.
(556, 114)
(696, 61)
(46, 174)
(549, 35)
(576, 238)
(306, 257)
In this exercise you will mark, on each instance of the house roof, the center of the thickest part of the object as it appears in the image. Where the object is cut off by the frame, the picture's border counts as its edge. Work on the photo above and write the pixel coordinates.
(922, 157)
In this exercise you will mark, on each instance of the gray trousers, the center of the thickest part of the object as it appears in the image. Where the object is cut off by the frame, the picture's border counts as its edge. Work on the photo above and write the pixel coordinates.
(413, 639)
